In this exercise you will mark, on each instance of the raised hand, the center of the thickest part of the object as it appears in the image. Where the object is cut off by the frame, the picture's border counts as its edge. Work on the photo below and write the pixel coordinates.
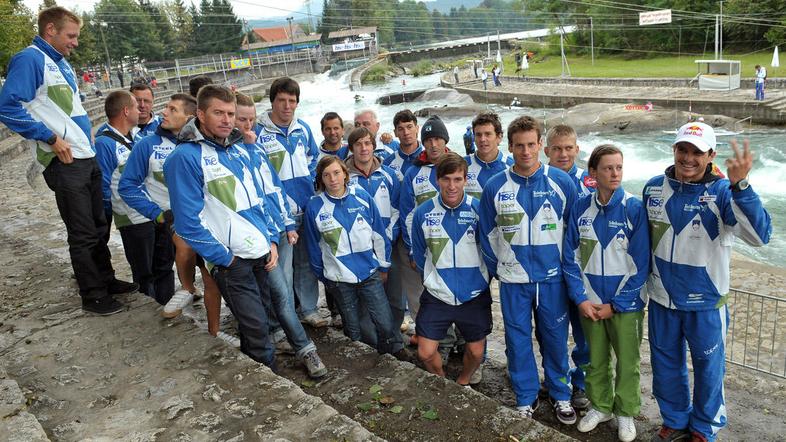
(739, 166)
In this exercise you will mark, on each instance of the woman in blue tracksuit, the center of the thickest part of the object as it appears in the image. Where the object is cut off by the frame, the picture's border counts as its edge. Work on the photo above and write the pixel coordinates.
(350, 249)
(605, 265)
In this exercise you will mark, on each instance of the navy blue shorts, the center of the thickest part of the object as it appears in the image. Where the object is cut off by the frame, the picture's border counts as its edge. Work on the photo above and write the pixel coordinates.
(473, 318)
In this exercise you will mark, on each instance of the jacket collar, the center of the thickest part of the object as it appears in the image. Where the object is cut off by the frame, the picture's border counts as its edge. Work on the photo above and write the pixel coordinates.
(535, 176)
(165, 133)
(710, 176)
(498, 158)
(268, 124)
(48, 49)
(447, 207)
(191, 133)
(375, 165)
(347, 192)
(614, 201)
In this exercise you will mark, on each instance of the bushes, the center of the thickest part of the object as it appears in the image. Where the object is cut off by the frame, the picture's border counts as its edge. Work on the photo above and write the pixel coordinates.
(375, 74)
(424, 67)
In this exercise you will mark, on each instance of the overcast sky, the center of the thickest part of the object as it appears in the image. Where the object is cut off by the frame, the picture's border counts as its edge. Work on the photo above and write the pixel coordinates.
(248, 9)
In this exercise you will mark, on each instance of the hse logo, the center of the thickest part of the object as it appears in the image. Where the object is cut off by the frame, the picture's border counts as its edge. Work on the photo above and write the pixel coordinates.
(506, 196)
(325, 216)
(266, 138)
(431, 222)
(585, 221)
(655, 202)
(472, 176)
(420, 179)
(210, 161)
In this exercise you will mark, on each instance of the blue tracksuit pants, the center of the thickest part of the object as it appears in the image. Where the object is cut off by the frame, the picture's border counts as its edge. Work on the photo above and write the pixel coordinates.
(705, 333)
(549, 301)
(580, 353)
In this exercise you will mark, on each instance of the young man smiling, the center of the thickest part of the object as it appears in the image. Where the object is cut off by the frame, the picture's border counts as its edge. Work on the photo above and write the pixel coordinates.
(487, 160)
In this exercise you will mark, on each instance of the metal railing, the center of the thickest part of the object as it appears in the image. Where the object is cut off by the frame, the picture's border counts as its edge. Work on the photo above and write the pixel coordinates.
(756, 338)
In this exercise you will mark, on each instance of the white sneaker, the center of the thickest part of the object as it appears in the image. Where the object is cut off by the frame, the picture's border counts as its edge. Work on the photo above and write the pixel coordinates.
(528, 410)
(232, 340)
(314, 365)
(626, 428)
(405, 324)
(477, 376)
(592, 419)
(175, 306)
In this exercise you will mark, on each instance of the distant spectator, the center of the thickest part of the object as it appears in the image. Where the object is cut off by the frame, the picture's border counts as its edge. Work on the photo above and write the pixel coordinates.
(456, 73)
(196, 83)
(761, 76)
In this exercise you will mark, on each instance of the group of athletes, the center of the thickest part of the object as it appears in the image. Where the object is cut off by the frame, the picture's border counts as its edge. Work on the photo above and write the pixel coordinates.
(266, 213)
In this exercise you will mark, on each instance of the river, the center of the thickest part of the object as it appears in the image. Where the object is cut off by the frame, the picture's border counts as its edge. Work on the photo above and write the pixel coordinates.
(646, 154)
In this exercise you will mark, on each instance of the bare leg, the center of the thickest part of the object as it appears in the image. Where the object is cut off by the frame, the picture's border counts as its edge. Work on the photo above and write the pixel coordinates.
(427, 352)
(212, 302)
(473, 357)
(185, 261)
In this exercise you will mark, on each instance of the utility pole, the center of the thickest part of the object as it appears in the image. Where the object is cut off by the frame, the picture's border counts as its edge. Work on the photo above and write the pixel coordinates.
(106, 50)
(310, 17)
(716, 38)
(488, 44)
(291, 35)
(720, 45)
(592, 42)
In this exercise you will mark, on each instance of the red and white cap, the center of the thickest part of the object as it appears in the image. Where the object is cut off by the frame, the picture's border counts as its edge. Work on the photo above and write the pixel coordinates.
(701, 135)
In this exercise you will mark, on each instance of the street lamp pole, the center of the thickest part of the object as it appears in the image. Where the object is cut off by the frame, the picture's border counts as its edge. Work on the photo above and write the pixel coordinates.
(106, 50)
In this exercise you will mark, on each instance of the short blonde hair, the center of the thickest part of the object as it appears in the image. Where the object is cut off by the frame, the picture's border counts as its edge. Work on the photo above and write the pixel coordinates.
(57, 15)
(560, 130)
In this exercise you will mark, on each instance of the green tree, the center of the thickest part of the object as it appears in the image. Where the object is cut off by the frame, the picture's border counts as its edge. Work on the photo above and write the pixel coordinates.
(17, 30)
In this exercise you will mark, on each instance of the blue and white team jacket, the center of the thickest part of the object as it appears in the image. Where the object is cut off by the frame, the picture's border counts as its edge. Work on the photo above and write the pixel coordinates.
(522, 224)
(294, 155)
(342, 152)
(218, 205)
(446, 249)
(272, 188)
(138, 132)
(384, 186)
(692, 229)
(419, 185)
(383, 151)
(346, 237)
(142, 185)
(605, 257)
(41, 98)
(401, 162)
(585, 184)
(112, 156)
(479, 171)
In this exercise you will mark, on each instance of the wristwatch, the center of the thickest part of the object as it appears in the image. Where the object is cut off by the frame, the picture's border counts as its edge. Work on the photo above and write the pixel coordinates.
(740, 185)
(51, 140)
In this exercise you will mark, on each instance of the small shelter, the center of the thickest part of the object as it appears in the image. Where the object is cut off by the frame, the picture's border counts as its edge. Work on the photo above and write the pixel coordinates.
(718, 75)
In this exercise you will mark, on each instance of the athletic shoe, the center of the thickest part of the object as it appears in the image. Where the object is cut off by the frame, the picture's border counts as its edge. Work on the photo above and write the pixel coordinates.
(284, 347)
(232, 340)
(698, 437)
(314, 365)
(405, 355)
(177, 303)
(592, 419)
(405, 324)
(477, 376)
(564, 412)
(528, 410)
(626, 429)
(315, 320)
(103, 306)
(336, 321)
(579, 399)
(667, 434)
(118, 287)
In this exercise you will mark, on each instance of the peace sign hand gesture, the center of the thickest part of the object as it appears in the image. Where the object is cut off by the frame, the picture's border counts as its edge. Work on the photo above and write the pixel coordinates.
(738, 166)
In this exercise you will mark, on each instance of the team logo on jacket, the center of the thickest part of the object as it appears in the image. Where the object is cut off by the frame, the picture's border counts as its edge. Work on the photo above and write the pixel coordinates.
(655, 202)
(325, 216)
(470, 234)
(506, 196)
(585, 221)
(708, 198)
(695, 224)
(590, 182)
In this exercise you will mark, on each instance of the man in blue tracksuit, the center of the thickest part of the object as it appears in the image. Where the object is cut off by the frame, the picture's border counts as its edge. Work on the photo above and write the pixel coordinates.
(562, 149)
(291, 148)
(40, 102)
(486, 160)
(446, 249)
(220, 212)
(522, 214)
(694, 216)
(332, 126)
(385, 144)
(148, 121)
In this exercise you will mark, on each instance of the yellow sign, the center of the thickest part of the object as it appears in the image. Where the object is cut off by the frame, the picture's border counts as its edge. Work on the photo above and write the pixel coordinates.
(242, 63)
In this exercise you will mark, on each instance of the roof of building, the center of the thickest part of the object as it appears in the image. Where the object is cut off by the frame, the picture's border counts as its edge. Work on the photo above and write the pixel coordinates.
(353, 32)
(285, 41)
(276, 33)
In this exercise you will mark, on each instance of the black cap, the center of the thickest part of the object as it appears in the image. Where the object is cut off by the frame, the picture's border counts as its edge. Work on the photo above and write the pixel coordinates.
(434, 127)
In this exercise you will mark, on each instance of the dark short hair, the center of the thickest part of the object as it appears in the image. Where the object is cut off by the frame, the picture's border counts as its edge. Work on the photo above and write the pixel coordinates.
(330, 116)
(211, 91)
(601, 151)
(243, 99)
(451, 162)
(189, 102)
(196, 83)
(140, 86)
(116, 101)
(358, 133)
(57, 15)
(404, 116)
(286, 85)
(523, 124)
(323, 164)
(488, 118)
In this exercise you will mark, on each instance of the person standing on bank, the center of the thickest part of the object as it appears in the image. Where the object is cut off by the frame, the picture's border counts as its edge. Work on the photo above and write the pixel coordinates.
(220, 212)
(694, 216)
(42, 105)
(349, 249)
(761, 77)
(605, 264)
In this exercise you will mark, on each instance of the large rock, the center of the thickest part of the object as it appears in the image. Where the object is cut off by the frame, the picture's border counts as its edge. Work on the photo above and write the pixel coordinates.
(446, 96)
(622, 118)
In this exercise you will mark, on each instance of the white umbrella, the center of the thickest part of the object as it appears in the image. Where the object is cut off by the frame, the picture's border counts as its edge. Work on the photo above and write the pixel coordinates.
(499, 57)
(524, 62)
(775, 60)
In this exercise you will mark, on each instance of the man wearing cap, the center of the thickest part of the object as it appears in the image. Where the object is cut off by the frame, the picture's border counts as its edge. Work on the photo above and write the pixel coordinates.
(694, 215)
